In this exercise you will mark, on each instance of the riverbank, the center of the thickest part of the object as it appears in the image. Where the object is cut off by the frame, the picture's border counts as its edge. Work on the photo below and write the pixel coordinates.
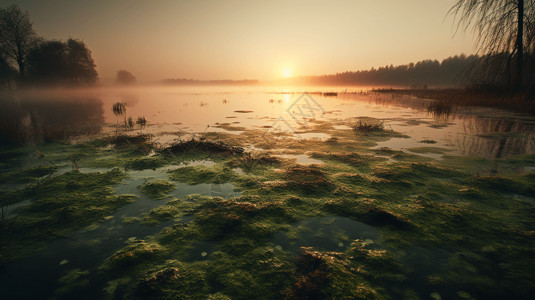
(449, 98)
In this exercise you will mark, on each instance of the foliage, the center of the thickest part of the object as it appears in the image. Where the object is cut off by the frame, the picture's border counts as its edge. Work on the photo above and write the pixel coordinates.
(501, 26)
(7, 73)
(65, 63)
(125, 78)
(17, 36)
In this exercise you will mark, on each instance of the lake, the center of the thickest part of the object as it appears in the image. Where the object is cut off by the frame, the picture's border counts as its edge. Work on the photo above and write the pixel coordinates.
(288, 190)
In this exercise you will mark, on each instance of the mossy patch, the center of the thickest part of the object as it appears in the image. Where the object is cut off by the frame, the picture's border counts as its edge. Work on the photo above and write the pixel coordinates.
(157, 189)
(62, 204)
(202, 174)
(143, 163)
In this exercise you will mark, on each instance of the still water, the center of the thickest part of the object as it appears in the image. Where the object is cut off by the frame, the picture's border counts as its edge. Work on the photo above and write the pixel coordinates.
(175, 113)
(172, 112)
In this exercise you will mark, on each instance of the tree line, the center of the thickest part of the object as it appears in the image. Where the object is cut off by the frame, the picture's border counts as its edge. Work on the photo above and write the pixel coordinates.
(491, 70)
(425, 72)
(29, 60)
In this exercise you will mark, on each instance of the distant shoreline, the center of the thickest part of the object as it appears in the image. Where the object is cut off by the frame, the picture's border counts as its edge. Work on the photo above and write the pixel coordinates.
(447, 98)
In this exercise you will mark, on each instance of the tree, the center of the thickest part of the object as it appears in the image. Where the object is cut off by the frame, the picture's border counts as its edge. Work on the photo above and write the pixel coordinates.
(125, 78)
(57, 62)
(502, 26)
(6, 73)
(17, 36)
(80, 64)
(47, 62)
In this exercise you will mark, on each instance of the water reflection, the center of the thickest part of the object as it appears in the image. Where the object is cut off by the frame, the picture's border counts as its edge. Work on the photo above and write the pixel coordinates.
(483, 132)
(495, 138)
(31, 119)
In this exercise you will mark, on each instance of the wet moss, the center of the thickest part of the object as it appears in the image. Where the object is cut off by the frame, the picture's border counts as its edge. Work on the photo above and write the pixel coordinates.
(29, 175)
(203, 144)
(307, 180)
(174, 282)
(504, 185)
(161, 214)
(202, 174)
(364, 211)
(158, 189)
(60, 205)
(143, 163)
(130, 256)
(249, 162)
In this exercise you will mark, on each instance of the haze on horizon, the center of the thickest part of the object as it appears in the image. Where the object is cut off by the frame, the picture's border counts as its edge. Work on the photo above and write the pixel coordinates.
(235, 39)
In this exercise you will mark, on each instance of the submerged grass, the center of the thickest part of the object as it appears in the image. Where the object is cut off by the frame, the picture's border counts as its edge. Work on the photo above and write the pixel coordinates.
(227, 248)
(60, 205)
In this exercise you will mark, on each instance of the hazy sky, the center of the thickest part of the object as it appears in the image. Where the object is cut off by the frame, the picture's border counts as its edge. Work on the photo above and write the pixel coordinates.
(237, 39)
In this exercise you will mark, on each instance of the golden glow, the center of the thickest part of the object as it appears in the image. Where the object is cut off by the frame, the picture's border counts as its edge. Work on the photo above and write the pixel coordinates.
(286, 98)
(307, 38)
(286, 72)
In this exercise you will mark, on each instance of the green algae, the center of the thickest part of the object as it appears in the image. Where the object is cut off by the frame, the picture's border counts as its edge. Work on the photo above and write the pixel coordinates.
(202, 174)
(29, 175)
(157, 189)
(60, 205)
(433, 150)
(143, 163)
(161, 214)
(226, 251)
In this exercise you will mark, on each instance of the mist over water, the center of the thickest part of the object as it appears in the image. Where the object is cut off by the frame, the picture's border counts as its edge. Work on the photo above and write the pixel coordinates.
(33, 117)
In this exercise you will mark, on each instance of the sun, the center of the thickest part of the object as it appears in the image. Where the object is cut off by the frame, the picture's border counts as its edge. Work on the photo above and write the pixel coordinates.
(286, 72)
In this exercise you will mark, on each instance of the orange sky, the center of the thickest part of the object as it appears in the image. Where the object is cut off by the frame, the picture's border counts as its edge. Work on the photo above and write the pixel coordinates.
(238, 39)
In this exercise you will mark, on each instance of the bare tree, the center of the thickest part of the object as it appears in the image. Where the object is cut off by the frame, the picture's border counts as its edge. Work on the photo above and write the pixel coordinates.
(502, 26)
(17, 35)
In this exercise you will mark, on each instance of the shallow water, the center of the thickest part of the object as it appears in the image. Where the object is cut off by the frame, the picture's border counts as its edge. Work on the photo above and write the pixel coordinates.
(176, 113)
(182, 113)
(85, 249)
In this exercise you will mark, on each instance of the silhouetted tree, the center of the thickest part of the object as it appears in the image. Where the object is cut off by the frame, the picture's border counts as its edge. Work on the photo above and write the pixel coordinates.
(47, 62)
(17, 35)
(125, 78)
(57, 62)
(501, 26)
(430, 72)
(6, 73)
(80, 64)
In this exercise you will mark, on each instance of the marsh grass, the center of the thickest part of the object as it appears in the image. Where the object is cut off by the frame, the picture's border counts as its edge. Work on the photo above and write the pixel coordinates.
(198, 144)
(366, 127)
(448, 100)
(124, 140)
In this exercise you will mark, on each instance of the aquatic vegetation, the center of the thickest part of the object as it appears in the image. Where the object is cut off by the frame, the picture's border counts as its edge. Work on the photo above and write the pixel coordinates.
(505, 185)
(161, 214)
(60, 205)
(158, 189)
(127, 257)
(124, 140)
(28, 175)
(249, 162)
(438, 227)
(306, 180)
(143, 163)
(434, 150)
(141, 121)
(202, 174)
(119, 108)
(202, 145)
(229, 127)
(365, 127)
(426, 141)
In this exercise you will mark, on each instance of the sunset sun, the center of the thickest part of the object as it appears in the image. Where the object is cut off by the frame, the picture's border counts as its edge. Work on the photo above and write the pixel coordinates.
(286, 72)
(267, 149)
